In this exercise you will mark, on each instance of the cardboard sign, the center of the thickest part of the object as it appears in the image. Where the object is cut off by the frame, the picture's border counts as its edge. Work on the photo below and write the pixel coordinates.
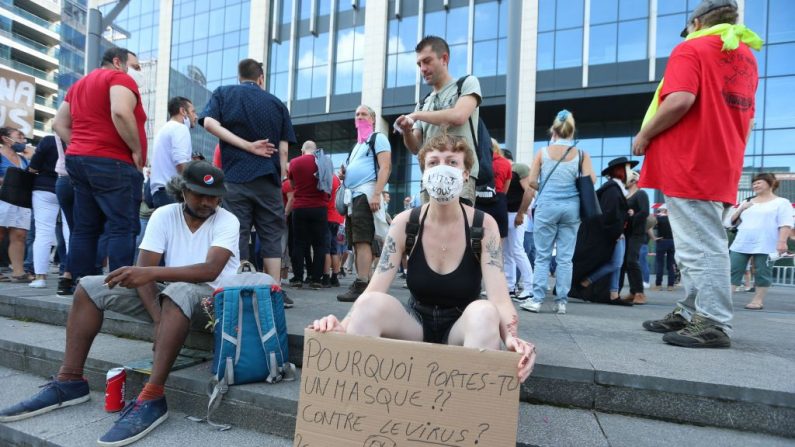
(374, 392)
(17, 95)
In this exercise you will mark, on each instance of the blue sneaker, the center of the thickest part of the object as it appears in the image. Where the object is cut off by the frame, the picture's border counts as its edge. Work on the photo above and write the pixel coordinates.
(54, 394)
(136, 421)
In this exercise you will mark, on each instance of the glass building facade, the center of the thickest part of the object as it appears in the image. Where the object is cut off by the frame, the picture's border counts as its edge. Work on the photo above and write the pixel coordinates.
(601, 59)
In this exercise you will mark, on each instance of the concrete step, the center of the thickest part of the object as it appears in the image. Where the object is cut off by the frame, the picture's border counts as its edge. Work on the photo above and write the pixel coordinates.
(82, 425)
(539, 425)
(598, 380)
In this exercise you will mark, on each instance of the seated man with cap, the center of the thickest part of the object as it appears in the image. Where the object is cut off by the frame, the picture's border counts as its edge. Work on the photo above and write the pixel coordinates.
(199, 241)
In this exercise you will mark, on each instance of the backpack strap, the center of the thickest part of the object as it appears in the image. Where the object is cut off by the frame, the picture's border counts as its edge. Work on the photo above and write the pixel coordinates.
(476, 234)
(424, 98)
(412, 229)
(371, 144)
(460, 84)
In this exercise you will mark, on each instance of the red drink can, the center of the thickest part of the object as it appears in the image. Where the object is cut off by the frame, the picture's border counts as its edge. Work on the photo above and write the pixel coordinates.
(114, 390)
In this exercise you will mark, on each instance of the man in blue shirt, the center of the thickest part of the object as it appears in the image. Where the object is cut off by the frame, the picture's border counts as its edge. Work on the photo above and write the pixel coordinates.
(254, 129)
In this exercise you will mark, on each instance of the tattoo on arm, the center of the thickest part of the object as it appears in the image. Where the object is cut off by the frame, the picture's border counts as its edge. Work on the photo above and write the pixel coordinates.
(512, 327)
(495, 253)
(385, 263)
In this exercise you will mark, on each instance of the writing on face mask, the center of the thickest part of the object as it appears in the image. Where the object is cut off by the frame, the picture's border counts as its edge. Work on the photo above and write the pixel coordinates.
(443, 183)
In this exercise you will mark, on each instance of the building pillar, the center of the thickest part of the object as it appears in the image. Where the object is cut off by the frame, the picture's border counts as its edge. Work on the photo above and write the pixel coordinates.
(520, 95)
(258, 32)
(376, 24)
(163, 70)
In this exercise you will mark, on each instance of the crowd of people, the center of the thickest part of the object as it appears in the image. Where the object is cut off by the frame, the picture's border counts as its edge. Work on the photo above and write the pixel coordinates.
(167, 227)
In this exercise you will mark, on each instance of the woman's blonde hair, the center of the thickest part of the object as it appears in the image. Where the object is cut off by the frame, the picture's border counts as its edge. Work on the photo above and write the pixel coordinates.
(563, 126)
(444, 142)
(495, 147)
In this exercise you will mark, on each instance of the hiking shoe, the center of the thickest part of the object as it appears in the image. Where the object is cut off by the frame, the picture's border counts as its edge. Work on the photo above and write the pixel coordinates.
(325, 282)
(288, 303)
(356, 289)
(560, 308)
(53, 395)
(335, 282)
(669, 323)
(296, 282)
(531, 306)
(66, 287)
(700, 333)
(136, 421)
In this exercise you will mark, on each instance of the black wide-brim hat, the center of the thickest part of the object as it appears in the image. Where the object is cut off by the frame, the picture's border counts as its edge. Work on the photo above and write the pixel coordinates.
(619, 161)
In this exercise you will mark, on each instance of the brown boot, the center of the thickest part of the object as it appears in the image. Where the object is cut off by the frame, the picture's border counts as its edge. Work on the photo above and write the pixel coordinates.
(356, 289)
(640, 298)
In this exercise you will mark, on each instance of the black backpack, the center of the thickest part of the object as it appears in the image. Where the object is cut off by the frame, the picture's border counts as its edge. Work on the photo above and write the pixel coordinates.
(485, 192)
(475, 232)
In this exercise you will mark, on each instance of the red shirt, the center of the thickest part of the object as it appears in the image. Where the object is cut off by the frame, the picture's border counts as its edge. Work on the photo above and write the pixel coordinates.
(502, 172)
(701, 156)
(286, 189)
(333, 216)
(93, 132)
(302, 173)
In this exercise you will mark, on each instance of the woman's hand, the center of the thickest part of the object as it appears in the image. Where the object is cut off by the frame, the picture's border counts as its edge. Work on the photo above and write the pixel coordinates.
(329, 323)
(528, 351)
(518, 220)
(781, 247)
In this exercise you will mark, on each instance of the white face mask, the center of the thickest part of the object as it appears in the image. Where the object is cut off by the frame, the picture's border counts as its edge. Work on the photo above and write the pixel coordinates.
(137, 76)
(443, 183)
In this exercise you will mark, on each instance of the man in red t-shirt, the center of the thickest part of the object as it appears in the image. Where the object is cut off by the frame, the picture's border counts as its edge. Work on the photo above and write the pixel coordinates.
(335, 246)
(694, 148)
(309, 217)
(102, 119)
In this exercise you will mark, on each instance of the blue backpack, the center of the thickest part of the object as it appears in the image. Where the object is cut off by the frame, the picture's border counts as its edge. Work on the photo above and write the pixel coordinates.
(250, 335)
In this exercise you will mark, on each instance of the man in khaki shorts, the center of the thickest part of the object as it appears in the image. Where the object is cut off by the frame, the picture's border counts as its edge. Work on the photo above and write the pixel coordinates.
(199, 242)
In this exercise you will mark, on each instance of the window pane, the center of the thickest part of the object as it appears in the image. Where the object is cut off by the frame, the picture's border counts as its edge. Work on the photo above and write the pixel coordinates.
(632, 40)
(668, 29)
(392, 44)
(485, 58)
(342, 77)
(671, 6)
(616, 146)
(570, 15)
(546, 51)
(778, 104)
(486, 17)
(458, 25)
(568, 48)
(305, 51)
(503, 19)
(303, 84)
(603, 11)
(633, 9)
(356, 77)
(502, 57)
(345, 45)
(759, 105)
(782, 18)
(756, 16)
(602, 48)
(406, 69)
(779, 141)
(321, 49)
(780, 60)
(408, 34)
(434, 24)
(319, 78)
(391, 70)
(458, 60)
(546, 15)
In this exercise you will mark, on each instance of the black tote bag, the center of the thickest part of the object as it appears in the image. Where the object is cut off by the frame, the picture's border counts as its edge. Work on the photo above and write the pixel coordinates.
(589, 203)
(17, 187)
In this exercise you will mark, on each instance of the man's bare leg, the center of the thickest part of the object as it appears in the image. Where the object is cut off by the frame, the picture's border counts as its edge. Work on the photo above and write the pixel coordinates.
(82, 326)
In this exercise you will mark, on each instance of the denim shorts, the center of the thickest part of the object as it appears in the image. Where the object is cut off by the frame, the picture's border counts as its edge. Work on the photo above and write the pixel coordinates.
(436, 321)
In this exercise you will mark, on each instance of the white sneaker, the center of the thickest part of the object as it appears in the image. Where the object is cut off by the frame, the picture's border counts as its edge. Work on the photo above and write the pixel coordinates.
(521, 297)
(560, 308)
(646, 285)
(38, 284)
(531, 306)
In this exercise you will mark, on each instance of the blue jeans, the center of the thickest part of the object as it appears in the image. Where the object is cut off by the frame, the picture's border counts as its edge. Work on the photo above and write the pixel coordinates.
(644, 262)
(612, 267)
(530, 247)
(106, 191)
(556, 225)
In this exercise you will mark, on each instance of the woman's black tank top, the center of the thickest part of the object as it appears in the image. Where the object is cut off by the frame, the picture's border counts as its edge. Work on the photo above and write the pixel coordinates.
(455, 289)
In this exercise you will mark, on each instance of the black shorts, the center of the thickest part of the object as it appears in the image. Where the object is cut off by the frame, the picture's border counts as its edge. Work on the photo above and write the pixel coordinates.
(436, 321)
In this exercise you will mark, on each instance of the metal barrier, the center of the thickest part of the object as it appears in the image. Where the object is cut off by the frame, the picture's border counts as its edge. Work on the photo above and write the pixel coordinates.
(784, 275)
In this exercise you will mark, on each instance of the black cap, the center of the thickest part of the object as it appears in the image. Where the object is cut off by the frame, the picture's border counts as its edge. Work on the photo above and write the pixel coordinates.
(619, 161)
(707, 6)
(203, 178)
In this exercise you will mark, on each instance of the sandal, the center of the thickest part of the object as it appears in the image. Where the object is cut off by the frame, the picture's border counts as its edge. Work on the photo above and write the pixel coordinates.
(4, 278)
(754, 306)
(19, 279)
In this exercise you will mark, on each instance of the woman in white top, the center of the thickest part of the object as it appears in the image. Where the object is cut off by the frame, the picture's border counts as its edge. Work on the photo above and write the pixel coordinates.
(765, 223)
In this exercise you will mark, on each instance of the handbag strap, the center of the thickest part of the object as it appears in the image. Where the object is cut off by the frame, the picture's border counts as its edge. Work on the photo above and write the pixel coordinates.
(554, 167)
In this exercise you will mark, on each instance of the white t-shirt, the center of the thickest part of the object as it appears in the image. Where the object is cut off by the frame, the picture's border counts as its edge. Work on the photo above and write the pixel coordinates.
(758, 230)
(168, 233)
(172, 146)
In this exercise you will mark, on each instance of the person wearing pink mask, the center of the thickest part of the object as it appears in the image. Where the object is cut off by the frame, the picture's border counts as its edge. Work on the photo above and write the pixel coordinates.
(364, 175)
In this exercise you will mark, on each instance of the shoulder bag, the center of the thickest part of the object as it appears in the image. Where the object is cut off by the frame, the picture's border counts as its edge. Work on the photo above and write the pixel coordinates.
(17, 187)
(589, 203)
